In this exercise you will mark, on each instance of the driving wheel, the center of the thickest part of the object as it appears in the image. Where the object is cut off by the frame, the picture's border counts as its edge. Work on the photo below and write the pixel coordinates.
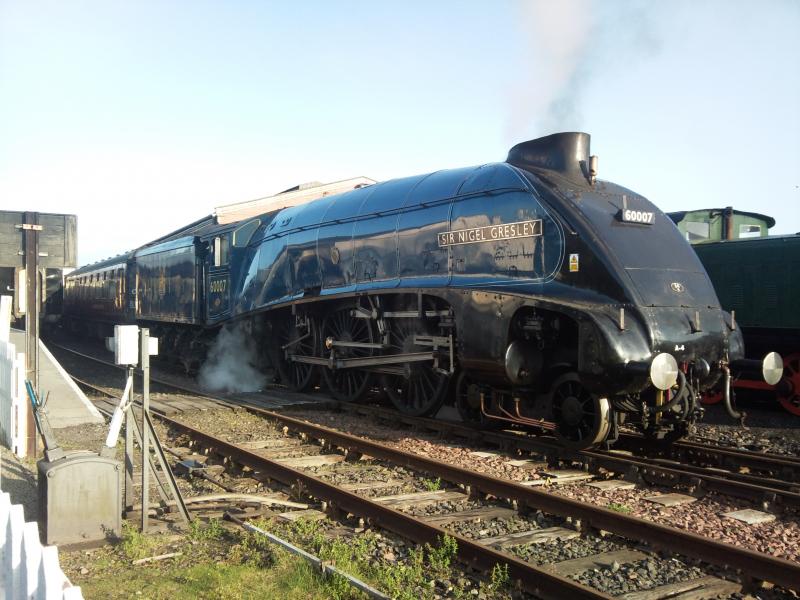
(420, 390)
(296, 337)
(349, 384)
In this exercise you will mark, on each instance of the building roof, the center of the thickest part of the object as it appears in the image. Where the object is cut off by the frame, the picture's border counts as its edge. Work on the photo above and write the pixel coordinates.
(300, 194)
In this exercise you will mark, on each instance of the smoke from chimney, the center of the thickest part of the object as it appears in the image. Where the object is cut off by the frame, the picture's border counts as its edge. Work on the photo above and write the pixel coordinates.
(570, 43)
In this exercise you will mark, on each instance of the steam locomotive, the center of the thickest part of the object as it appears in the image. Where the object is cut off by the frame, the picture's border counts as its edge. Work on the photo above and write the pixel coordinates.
(515, 290)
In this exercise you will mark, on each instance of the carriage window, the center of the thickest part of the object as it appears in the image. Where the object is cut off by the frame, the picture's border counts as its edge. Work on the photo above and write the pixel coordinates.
(242, 235)
(221, 250)
(696, 230)
(749, 231)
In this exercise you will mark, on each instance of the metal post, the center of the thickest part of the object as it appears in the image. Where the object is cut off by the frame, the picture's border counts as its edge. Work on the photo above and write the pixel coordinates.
(129, 427)
(31, 227)
(144, 344)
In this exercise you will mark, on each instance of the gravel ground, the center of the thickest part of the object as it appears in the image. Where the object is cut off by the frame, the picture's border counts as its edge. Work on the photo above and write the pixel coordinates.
(768, 431)
(18, 478)
(544, 554)
(768, 428)
(494, 527)
(757, 439)
(704, 517)
(641, 575)
(241, 426)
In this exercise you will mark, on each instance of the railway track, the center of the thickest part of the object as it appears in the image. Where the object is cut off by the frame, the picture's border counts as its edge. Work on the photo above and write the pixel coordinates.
(769, 480)
(758, 566)
(467, 486)
(336, 498)
(778, 487)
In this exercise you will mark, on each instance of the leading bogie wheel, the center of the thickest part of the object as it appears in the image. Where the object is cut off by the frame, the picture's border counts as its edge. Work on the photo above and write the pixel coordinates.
(582, 419)
(347, 385)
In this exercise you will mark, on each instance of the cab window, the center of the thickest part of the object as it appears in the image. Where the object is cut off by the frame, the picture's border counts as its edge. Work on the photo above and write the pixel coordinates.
(221, 250)
(697, 230)
(242, 235)
(749, 230)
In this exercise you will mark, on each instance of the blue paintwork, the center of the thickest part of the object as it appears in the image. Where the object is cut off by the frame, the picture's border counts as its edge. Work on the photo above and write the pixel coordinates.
(183, 242)
(386, 236)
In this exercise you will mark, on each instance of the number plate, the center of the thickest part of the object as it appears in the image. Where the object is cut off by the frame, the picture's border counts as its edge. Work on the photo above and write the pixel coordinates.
(640, 217)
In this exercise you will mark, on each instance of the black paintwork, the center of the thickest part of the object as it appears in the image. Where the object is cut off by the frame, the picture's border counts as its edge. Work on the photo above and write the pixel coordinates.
(384, 239)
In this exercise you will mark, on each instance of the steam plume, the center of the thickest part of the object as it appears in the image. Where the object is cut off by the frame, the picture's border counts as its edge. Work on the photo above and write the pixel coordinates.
(569, 43)
(231, 365)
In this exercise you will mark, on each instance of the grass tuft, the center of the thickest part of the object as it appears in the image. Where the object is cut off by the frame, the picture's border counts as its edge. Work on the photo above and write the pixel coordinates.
(432, 485)
(199, 531)
(135, 545)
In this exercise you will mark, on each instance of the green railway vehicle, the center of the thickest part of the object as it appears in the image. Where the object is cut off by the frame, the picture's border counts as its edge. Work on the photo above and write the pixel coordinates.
(757, 278)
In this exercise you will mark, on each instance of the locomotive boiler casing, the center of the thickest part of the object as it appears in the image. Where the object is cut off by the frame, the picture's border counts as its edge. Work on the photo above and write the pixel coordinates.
(534, 234)
(528, 283)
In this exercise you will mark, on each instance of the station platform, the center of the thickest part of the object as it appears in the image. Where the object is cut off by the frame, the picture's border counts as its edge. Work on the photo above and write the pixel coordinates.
(67, 405)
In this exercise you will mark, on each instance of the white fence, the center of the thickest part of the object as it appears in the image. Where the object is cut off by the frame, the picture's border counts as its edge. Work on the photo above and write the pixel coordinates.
(28, 570)
(13, 421)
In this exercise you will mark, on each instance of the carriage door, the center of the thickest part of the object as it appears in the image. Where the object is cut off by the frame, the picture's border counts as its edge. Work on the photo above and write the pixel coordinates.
(218, 278)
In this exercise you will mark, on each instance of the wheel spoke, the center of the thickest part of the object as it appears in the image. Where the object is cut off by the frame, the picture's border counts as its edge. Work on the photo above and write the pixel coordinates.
(423, 391)
(297, 376)
(579, 416)
(347, 384)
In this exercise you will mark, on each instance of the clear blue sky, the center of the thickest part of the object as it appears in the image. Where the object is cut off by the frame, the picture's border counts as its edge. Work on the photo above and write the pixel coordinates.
(142, 116)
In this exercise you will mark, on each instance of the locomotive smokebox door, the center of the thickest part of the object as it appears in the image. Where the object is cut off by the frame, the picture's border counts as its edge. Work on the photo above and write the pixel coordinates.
(79, 498)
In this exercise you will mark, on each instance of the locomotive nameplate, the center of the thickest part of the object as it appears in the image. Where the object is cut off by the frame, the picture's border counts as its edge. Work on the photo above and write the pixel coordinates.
(491, 233)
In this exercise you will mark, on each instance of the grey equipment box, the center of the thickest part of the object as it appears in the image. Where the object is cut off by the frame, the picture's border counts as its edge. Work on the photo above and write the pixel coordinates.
(79, 498)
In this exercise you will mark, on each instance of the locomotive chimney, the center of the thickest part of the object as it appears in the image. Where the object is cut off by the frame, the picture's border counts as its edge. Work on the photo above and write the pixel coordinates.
(564, 153)
(727, 223)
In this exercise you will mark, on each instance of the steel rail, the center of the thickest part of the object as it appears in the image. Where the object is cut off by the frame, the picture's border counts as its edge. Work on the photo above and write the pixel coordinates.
(754, 564)
(538, 581)
(653, 470)
(761, 490)
(787, 466)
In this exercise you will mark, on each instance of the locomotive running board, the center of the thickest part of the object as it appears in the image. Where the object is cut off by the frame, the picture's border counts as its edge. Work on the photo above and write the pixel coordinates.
(367, 361)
